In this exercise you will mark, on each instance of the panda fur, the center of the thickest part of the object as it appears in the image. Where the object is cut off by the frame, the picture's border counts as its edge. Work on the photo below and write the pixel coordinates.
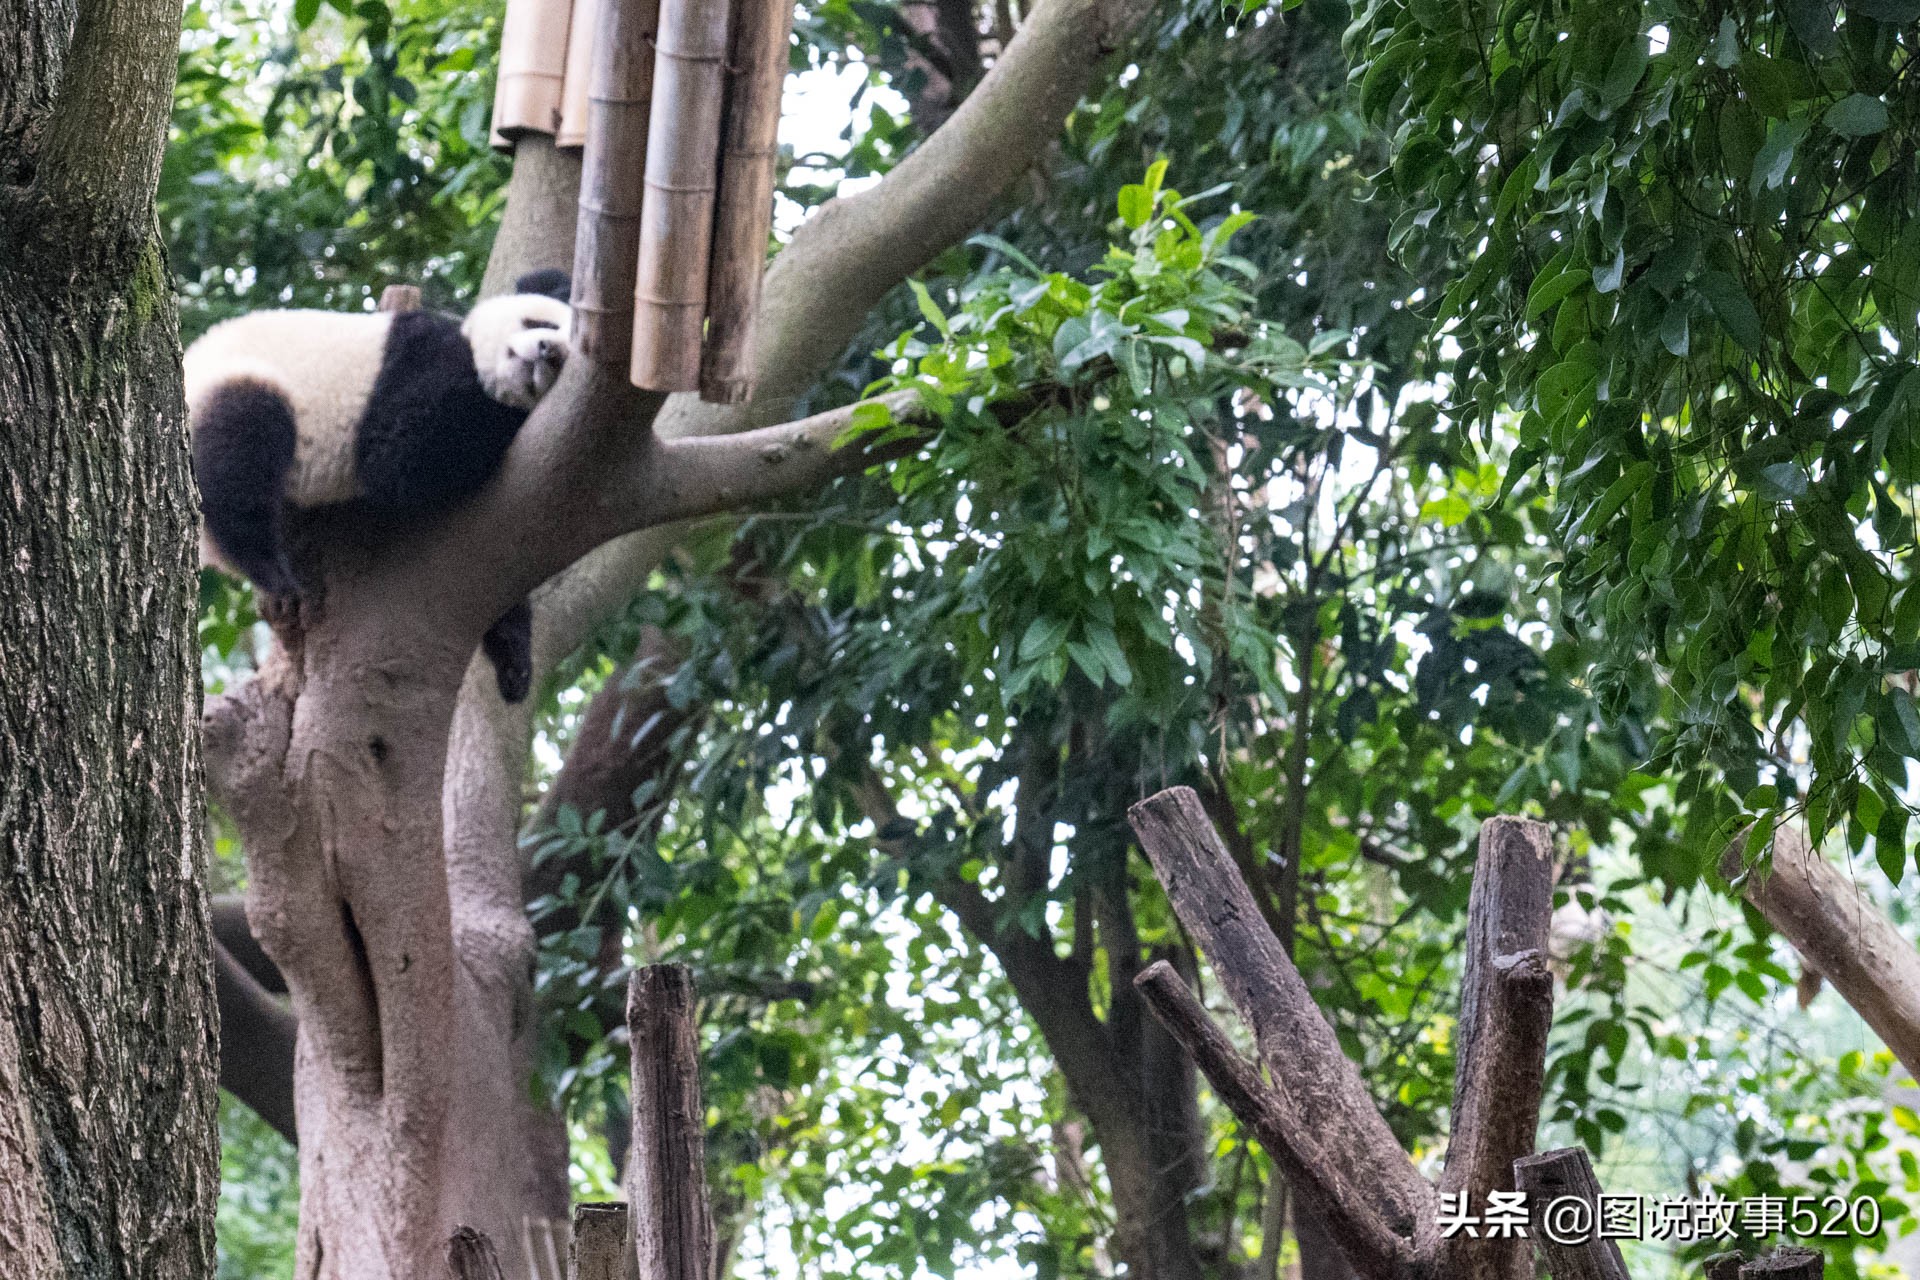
(403, 414)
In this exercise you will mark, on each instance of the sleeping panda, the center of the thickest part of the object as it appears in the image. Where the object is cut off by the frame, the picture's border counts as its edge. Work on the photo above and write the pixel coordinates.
(404, 414)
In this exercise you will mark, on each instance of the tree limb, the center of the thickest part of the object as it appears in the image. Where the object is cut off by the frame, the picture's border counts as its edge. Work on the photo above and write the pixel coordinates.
(256, 1044)
(1375, 1248)
(1295, 1042)
(1840, 932)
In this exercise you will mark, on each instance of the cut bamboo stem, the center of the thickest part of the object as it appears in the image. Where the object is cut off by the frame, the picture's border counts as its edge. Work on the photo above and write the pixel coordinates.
(756, 72)
(607, 242)
(676, 220)
(533, 68)
(667, 1165)
(576, 90)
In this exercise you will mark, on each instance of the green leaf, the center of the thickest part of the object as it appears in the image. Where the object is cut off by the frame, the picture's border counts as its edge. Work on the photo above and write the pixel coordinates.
(1783, 481)
(1857, 115)
(1775, 157)
(304, 12)
(1136, 205)
(1673, 329)
(1545, 293)
(1732, 308)
(929, 308)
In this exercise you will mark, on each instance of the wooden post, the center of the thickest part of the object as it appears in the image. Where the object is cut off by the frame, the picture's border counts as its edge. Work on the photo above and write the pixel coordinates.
(607, 243)
(1553, 1175)
(470, 1256)
(1298, 1047)
(676, 232)
(599, 1247)
(667, 1165)
(1506, 1011)
(1788, 1262)
(757, 71)
(576, 88)
(533, 67)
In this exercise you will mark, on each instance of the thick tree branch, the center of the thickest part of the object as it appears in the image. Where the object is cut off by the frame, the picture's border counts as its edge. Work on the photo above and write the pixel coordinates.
(1295, 1042)
(1323, 1179)
(1839, 931)
(1506, 1011)
(256, 1044)
(708, 475)
(231, 930)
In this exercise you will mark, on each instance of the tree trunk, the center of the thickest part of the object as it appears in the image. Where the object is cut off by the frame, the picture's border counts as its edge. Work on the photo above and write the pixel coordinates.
(108, 1156)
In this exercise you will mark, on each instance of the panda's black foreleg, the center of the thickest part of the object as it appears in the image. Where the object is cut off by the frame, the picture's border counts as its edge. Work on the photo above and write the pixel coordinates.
(243, 442)
(508, 644)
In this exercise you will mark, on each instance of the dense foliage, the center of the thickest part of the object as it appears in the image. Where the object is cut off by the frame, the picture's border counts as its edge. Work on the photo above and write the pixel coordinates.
(1689, 272)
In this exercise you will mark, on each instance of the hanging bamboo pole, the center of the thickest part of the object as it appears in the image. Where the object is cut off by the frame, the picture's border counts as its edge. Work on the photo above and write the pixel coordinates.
(676, 232)
(756, 72)
(607, 243)
(533, 66)
(576, 89)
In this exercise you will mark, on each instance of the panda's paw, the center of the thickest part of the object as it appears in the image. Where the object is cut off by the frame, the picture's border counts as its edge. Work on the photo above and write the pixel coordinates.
(515, 680)
(528, 367)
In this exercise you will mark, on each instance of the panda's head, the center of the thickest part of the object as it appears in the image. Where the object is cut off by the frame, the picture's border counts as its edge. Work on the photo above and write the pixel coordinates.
(519, 340)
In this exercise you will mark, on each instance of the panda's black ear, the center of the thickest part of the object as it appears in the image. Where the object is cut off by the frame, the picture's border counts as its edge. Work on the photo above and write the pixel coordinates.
(551, 281)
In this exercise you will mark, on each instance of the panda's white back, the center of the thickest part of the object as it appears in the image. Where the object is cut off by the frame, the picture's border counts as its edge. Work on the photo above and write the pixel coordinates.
(323, 362)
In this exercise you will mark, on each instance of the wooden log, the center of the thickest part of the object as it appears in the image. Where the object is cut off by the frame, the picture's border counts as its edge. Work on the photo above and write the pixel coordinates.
(1788, 1262)
(533, 67)
(672, 1225)
(676, 219)
(598, 1250)
(1722, 1266)
(470, 1256)
(400, 297)
(1839, 931)
(607, 240)
(1506, 1011)
(576, 89)
(757, 71)
(1326, 1191)
(1554, 1175)
(1295, 1042)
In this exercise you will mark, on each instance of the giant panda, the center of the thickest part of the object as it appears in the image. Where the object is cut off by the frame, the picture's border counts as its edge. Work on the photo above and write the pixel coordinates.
(402, 414)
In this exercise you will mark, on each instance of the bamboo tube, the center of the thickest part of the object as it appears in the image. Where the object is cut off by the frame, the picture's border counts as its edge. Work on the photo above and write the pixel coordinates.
(533, 64)
(676, 220)
(607, 242)
(576, 88)
(756, 72)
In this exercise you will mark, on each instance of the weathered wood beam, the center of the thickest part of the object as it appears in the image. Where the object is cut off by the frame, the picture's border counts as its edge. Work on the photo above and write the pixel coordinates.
(1838, 930)
(672, 1225)
(1295, 1042)
(1506, 1011)
(1555, 1175)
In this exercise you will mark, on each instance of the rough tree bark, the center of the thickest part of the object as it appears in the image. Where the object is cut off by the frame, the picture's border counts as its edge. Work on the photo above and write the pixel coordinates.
(108, 1158)
(385, 885)
(1316, 1119)
(1840, 932)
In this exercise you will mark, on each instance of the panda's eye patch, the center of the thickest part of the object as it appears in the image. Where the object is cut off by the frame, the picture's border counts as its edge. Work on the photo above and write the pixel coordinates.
(538, 324)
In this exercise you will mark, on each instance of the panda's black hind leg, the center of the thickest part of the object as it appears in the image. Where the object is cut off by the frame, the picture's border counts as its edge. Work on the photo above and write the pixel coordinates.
(243, 443)
(508, 644)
